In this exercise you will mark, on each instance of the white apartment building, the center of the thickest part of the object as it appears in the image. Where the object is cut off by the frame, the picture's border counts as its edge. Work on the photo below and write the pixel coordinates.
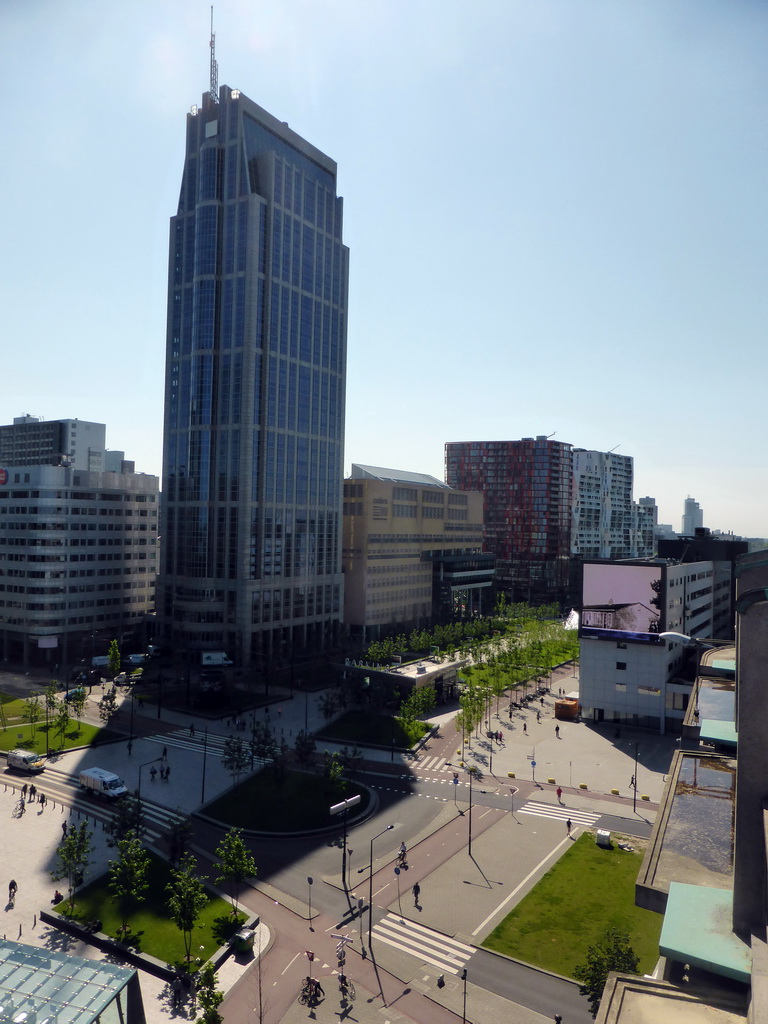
(606, 522)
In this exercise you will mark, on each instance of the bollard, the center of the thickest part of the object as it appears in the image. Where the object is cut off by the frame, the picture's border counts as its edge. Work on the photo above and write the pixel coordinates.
(583, 785)
(551, 781)
(511, 775)
(615, 792)
(645, 797)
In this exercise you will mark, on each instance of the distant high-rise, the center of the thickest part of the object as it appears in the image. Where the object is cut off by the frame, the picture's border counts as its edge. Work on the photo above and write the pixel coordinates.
(255, 382)
(693, 517)
(527, 487)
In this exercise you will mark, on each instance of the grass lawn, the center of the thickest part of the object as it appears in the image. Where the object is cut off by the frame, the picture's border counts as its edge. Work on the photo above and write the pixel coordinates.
(365, 727)
(152, 930)
(589, 890)
(300, 802)
(77, 734)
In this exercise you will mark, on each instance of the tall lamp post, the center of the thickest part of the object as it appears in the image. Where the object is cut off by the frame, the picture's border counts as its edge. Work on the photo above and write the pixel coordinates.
(370, 882)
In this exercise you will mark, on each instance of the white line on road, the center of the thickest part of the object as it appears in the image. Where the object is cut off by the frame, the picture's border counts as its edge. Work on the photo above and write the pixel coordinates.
(527, 878)
(289, 965)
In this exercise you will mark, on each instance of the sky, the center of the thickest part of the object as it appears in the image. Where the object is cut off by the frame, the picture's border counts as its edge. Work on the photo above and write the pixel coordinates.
(556, 213)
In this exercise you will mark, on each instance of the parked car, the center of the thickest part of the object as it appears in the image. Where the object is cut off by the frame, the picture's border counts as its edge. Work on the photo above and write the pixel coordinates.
(76, 694)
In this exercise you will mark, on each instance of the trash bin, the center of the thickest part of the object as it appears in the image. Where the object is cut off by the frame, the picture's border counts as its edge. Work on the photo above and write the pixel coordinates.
(603, 838)
(242, 941)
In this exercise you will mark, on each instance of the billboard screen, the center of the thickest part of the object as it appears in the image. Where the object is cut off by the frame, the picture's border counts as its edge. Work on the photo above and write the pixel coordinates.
(622, 601)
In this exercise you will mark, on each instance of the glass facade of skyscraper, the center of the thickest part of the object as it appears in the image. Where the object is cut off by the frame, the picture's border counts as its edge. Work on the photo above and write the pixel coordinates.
(255, 386)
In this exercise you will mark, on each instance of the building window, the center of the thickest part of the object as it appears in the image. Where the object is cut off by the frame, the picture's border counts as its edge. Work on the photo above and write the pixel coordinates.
(621, 666)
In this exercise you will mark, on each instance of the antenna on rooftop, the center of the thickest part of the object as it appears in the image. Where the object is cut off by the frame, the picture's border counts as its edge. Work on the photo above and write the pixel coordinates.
(214, 91)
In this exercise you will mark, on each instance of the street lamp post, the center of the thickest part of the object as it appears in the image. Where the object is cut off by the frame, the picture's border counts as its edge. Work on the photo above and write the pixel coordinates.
(464, 1010)
(343, 808)
(469, 817)
(370, 882)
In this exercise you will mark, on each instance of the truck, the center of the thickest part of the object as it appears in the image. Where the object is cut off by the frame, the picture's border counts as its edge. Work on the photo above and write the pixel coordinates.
(26, 761)
(100, 782)
(100, 661)
(214, 658)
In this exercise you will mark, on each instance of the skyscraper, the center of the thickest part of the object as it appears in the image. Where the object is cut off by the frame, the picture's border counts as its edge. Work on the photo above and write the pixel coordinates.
(527, 487)
(255, 382)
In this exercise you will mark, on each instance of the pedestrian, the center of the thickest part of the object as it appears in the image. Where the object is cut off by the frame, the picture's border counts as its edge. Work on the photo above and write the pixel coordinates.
(24, 790)
(130, 747)
(557, 731)
(42, 801)
(22, 805)
(12, 890)
(167, 772)
(541, 701)
(558, 1019)
(192, 729)
(64, 829)
(165, 753)
(32, 793)
(153, 772)
(559, 792)
(632, 782)
(176, 988)
(538, 716)
(568, 826)
(510, 712)
(416, 893)
(525, 727)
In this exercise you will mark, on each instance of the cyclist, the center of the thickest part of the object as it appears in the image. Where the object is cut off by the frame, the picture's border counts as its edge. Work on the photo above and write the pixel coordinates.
(343, 984)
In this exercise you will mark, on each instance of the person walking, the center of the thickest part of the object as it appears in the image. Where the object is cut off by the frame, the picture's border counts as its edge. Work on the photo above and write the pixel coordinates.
(559, 792)
(557, 731)
(42, 801)
(32, 793)
(568, 826)
(192, 730)
(167, 772)
(558, 1019)
(153, 773)
(12, 890)
(538, 716)
(165, 753)
(64, 829)
(416, 890)
(22, 806)
(525, 727)
(632, 783)
(24, 791)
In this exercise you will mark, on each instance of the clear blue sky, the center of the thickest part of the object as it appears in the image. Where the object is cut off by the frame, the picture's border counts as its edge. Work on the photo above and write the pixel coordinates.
(556, 211)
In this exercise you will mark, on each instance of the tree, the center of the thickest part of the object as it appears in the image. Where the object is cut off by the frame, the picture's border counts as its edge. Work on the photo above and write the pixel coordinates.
(179, 837)
(234, 757)
(421, 701)
(186, 899)
(114, 658)
(127, 818)
(33, 711)
(263, 744)
(73, 857)
(208, 996)
(128, 876)
(612, 953)
(334, 769)
(77, 702)
(62, 719)
(51, 700)
(304, 747)
(108, 705)
(234, 865)
(328, 706)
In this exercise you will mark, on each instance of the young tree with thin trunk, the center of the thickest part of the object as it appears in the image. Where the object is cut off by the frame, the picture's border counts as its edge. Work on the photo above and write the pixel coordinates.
(209, 997)
(186, 899)
(73, 857)
(612, 953)
(128, 876)
(234, 865)
(114, 658)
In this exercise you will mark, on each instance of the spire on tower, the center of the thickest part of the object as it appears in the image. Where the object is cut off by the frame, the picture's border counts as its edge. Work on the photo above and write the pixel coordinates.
(214, 90)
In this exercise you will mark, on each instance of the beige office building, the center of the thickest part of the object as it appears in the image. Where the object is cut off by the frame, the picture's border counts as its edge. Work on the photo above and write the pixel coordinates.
(412, 552)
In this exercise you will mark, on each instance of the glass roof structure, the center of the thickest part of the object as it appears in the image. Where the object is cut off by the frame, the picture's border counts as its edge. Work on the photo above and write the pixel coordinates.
(41, 986)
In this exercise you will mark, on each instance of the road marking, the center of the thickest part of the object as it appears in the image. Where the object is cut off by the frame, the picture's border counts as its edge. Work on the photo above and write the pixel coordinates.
(432, 947)
(585, 818)
(515, 891)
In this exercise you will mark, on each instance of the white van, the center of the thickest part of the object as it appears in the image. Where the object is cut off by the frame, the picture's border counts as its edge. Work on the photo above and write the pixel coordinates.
(100, 782)
(26, 761)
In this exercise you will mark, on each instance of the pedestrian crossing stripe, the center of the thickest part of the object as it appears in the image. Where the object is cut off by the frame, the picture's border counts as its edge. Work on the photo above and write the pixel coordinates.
(424, 943)
(432, 764)
(585, 818)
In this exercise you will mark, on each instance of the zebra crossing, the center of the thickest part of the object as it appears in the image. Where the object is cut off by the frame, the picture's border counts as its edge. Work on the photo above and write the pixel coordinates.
(584, 818)
(432, 764)
(431, 947)
(184, 739)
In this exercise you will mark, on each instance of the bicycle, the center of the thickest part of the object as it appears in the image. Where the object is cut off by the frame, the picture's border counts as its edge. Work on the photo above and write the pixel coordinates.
(346, 988)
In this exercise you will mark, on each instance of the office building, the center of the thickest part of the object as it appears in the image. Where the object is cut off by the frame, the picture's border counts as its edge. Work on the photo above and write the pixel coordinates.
(527, 493)
(255, 383)
(627, 675)
(602, 505)
(412, 552)
(78, 546)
